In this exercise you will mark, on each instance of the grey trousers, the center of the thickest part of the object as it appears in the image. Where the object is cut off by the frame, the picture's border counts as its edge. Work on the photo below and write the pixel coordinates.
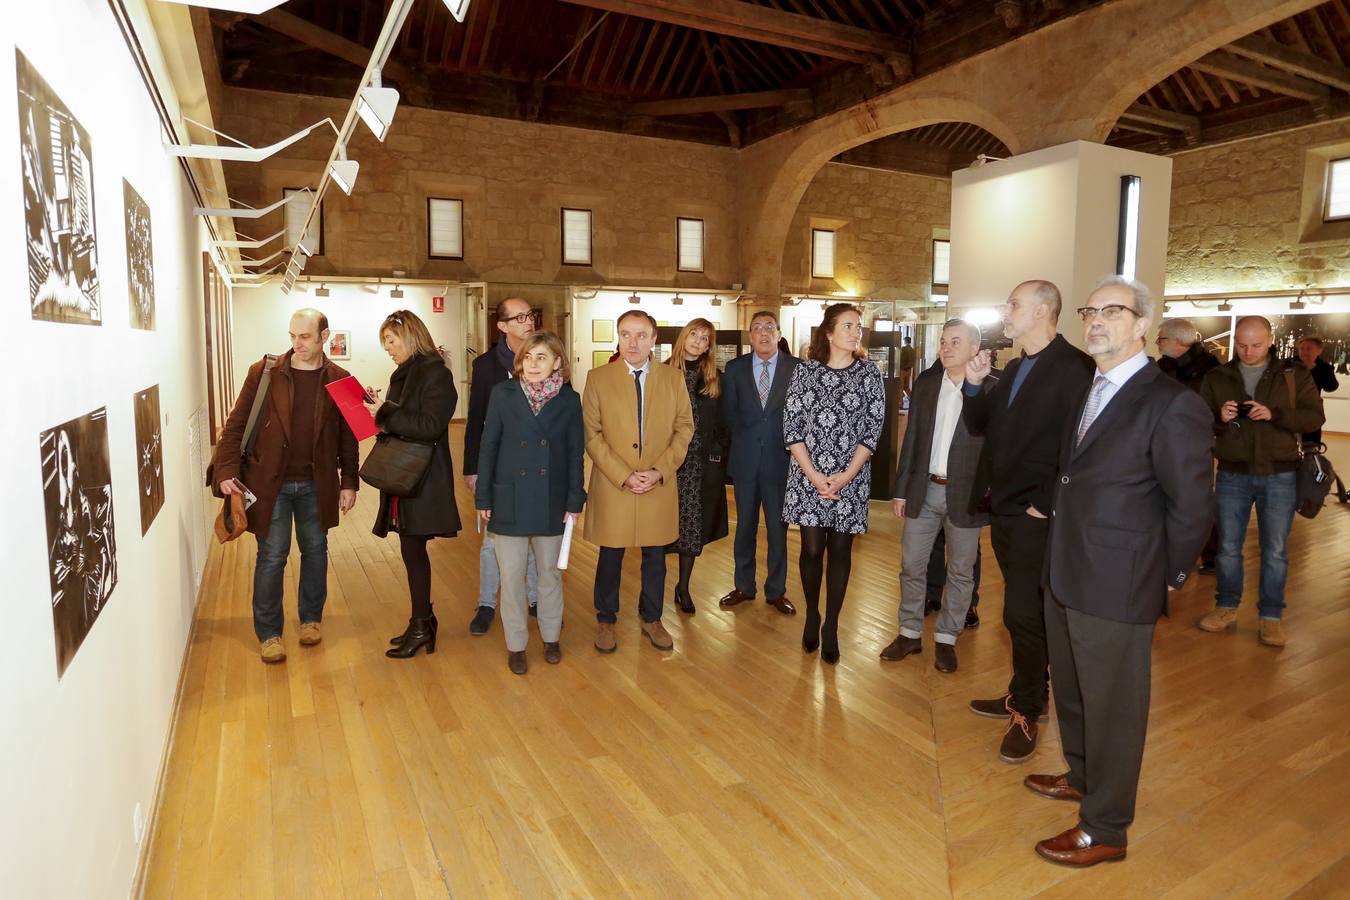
(915, 548)
(1102, 671)
(512, 553)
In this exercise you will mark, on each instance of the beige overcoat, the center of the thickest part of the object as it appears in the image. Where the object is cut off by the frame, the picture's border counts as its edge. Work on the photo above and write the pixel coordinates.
(615, 516)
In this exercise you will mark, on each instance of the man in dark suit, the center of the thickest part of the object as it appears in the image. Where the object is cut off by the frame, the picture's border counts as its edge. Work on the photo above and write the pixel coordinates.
(1132, 507)
(515, 321)
(1022, 420)
(933, 482)
(754, 388)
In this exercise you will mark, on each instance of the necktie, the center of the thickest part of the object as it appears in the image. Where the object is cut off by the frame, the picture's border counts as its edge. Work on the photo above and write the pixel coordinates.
(637, 386)
(764, 384)
(1094, 406)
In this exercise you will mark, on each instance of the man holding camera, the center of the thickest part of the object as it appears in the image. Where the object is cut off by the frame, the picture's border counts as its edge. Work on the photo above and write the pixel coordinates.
(1262, 406)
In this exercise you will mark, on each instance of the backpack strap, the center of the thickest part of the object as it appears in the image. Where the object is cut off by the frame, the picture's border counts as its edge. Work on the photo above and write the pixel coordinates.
(259, 398)
(1293, 404)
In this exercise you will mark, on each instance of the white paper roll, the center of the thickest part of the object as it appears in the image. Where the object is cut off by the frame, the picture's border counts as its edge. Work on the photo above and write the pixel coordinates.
(566, 547)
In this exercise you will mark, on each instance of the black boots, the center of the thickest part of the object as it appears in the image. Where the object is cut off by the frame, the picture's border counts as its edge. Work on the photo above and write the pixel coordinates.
(421, 633)
(399, 638)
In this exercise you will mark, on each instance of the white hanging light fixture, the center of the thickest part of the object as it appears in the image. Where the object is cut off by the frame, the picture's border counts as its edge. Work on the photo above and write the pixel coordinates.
(248, 212)
(376, 106)
(242, 152)
(343, 171)
(458, 8)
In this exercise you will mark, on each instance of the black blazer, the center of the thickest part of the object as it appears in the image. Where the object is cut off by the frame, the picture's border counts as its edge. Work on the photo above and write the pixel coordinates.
(911, 474)
(756, 431)
(1134, 503)
(530, 468)
(487, 372)
(1022, 442)
(419, 405)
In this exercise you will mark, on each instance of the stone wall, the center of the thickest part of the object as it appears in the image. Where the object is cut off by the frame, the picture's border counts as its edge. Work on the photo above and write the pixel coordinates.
(884, 222)
(513, 177)
(1245, 216)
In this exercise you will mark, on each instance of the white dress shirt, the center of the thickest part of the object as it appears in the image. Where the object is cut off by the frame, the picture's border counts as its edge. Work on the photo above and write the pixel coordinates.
(645, 369)
(944, 425)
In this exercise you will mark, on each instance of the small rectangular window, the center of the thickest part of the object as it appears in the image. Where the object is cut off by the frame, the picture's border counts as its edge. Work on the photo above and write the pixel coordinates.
(822, 253)
(689, 245)
(942, 263)
(1338, 190)
(445, 228)
(296, 211)
(576, 237)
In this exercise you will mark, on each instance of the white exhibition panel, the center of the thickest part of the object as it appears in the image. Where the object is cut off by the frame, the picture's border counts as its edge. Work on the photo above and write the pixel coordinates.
(80, 754)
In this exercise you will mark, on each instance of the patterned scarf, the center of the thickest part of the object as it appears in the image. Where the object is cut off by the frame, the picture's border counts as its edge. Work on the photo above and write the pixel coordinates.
(537, 393)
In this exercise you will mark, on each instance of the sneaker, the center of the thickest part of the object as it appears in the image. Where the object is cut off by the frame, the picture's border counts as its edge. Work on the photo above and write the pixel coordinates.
(310, 634)
(1020, 741)
(998, 708)
(605, 641)
(657, 634)
(1219, 619)
(482, 620)
(272, 650)
(1271, 633)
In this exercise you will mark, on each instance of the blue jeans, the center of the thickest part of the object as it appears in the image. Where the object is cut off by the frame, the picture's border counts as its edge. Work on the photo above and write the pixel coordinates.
(1274, 498)
(297, 500)
(490, 577)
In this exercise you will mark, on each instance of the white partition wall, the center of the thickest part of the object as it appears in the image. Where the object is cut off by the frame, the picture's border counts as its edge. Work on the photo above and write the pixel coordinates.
(85, 722)
(1053, 214)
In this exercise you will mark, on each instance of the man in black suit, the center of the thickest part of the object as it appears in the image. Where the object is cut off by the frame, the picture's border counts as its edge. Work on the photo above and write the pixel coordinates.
(1133, 505)
(1022, 420)
(515, 321)
(754, 388)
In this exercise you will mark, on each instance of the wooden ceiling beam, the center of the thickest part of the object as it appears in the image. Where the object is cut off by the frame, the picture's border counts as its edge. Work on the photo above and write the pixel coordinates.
(689, 106)
(1291, 61)
(1226, 65)
(1163, 118)
(296, 28)
(751, 21)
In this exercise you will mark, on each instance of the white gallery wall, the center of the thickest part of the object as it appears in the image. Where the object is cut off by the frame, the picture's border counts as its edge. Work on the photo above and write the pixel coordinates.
(262, 318)
(80, 752)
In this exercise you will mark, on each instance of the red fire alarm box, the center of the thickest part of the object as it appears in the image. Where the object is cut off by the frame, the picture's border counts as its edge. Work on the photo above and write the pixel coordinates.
(438, 304)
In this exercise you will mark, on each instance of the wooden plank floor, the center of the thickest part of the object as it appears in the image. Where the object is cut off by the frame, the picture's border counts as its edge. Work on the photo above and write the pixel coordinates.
(734, 766)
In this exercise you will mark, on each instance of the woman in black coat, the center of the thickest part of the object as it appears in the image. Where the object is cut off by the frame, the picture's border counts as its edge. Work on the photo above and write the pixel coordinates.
(419, 404)
(530, 485)
(701, 479)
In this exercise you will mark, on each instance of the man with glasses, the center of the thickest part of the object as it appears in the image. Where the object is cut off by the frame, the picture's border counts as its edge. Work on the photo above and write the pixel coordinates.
(754, 390)
(1132, 507)
(515, 321)
(1022, 420)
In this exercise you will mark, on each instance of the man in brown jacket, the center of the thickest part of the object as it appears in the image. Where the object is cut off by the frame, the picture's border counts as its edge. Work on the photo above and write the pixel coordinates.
(303, 466)
(638, 426)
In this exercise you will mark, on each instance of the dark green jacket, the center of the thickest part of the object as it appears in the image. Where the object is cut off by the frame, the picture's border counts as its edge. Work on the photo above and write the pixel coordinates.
(1262, 448)
(530, 469)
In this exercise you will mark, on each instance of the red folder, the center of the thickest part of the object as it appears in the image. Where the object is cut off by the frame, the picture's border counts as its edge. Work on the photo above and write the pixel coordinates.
(350, 398)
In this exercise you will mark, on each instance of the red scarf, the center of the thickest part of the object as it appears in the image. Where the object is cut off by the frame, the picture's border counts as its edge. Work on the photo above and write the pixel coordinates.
(537, 393)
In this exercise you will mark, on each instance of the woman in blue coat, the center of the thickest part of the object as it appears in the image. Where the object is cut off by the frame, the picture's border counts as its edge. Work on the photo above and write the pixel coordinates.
(530, 484)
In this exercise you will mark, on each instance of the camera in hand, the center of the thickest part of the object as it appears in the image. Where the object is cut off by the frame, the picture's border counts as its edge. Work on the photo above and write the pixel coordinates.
(995, 341)
(1244, 409)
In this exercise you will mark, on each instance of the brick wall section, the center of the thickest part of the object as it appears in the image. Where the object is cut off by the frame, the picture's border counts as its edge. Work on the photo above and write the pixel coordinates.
(885, 225)
(513, 177)
(1236, 216)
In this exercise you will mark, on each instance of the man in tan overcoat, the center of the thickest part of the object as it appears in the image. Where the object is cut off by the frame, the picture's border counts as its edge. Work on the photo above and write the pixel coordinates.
(638, 427)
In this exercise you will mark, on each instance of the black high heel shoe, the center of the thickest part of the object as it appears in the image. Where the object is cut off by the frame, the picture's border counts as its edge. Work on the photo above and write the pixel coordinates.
(811, 633)
(420, 634)
(829, 644)
(400, 638)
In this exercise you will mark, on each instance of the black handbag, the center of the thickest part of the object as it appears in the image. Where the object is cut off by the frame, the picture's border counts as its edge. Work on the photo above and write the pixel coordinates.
(1315, 474)
(397, 465)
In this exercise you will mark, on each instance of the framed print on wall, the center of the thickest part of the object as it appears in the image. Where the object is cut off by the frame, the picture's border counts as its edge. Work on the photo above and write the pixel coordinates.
(600, 358)
(602, 331)
(339, 345)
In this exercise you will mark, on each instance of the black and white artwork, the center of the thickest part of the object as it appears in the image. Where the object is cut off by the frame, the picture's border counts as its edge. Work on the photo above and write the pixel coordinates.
(149, 455)
(140, 260)
(58, 199)
(81, 545)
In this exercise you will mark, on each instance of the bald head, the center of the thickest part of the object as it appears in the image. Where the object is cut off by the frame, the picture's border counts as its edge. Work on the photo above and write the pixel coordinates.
(1252, 339)
(311, 316)
(309, 334)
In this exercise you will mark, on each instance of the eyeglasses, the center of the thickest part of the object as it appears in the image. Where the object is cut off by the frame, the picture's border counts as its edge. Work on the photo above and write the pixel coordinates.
(1111, 312)
(764, 327)
(520, 319)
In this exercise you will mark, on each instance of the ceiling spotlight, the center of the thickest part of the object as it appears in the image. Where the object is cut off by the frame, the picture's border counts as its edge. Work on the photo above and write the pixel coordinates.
(343, 171)
(1225, 306)
(1297, 302)
(397, 292)
(458, 8)
(322, 291)
(634, 298)
(677, 301)
(716, 300)
(376, 107)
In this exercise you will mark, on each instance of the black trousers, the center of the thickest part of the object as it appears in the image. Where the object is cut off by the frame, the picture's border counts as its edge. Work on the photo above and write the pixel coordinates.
(937, 573)
(752, 493)
(608, 573)
(1020, 545)
(1103, 673)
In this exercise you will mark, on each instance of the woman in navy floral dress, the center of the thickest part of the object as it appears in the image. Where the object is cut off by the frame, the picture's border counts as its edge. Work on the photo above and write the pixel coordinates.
(831, 421)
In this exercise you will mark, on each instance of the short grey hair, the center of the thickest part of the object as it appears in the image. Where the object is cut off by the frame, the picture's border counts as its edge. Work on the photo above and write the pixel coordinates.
(1141, 298)
(971, 327)
(1183, 331)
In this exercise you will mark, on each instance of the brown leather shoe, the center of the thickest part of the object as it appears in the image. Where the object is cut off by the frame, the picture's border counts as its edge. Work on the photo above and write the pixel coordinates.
(902, 647)
(310, 634)
(735, 598)
(605, 641)
(1056, 787)
(944, 657)
(783, 605)
(553, 653)
(1075, 848)
(657, 634)
(516, 662)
